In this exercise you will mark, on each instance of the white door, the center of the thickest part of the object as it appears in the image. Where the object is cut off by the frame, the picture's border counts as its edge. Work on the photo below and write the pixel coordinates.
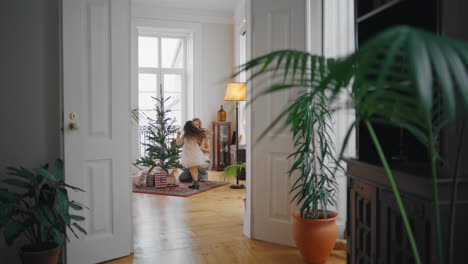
(338, 41)
(96, 86)
(276, 24)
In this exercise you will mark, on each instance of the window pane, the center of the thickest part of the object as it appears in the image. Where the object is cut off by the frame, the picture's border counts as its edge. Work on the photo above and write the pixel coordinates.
(147, 52)
(147, 82)
(178, 117)
(174, 102)
(172, 53)
(144, 115)
(145, 101)
(172, 83)
(173, 89)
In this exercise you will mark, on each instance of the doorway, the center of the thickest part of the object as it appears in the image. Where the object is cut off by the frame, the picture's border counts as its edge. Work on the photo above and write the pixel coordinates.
(103, 176)
(163, 224)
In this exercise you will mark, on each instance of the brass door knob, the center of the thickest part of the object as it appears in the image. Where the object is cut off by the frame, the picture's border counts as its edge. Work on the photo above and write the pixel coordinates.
(73, 126)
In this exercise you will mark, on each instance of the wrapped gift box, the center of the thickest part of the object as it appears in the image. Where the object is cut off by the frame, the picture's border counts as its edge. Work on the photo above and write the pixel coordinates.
(160, 178)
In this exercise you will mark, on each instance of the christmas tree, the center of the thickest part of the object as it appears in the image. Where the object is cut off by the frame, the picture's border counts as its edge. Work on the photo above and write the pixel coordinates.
(161, 150)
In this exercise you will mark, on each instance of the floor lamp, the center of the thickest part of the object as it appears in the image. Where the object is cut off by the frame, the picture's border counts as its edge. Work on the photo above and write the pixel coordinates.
(236, 92)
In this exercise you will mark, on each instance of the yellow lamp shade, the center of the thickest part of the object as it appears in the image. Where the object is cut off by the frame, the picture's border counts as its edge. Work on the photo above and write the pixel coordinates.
(235, 92)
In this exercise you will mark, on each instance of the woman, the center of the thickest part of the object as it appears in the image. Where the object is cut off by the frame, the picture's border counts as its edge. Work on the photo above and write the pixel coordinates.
(192, 155)
(205, 146)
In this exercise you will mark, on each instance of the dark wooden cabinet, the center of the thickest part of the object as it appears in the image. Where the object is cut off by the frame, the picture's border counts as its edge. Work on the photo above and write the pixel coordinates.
(395, 246)
(363, 201)
(221, 145)
(376, 233)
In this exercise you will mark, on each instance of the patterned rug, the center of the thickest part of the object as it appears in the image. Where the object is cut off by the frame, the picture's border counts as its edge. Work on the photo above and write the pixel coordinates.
(182, 189)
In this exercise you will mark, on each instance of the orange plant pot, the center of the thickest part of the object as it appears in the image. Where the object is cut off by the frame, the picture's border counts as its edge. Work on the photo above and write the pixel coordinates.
(315, 238)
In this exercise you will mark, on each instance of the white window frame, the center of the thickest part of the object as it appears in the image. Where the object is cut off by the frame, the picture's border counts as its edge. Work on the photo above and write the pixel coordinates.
(159, 71)
(193, 33)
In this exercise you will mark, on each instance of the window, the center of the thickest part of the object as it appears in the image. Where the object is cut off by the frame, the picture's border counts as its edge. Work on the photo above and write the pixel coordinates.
(161, 67)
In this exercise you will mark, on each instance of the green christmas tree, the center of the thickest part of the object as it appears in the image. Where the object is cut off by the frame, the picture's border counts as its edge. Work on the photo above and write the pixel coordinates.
(161, 150)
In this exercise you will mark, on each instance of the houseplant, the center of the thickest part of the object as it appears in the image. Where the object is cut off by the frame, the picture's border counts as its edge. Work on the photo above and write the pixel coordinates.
(309, 118)
(161, 149)
(403, 77)
(232, 170)
(39, 211)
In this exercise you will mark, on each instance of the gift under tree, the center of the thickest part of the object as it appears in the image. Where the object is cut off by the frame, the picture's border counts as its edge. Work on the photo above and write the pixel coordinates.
(161, 151)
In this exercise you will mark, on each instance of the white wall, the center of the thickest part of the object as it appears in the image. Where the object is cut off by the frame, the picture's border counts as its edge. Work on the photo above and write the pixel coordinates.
(217, 68)
(239, 17)
(29, 88)
(216, 55)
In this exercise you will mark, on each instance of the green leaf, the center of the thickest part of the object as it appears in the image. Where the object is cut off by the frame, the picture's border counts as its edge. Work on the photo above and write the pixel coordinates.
(45, 235)
(61, 201)
(47, 174)
(73, 231)
(71, 187)
(77, 217)
(40, 216)
(58, 168)
(81, 229)
(21, 172)
(12, 230)
(76, 206)
(18, 183)
(6, 196)
(421, 71)
(49, 214)
(6, 211)
(58, 237)
(442, 71)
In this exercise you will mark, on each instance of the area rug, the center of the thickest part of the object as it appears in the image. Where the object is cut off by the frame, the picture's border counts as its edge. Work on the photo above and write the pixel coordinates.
(182, 189)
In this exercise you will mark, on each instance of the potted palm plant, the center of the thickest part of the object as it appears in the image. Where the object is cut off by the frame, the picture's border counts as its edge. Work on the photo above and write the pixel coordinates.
(404, 77)
(36, 206)
(309, 118)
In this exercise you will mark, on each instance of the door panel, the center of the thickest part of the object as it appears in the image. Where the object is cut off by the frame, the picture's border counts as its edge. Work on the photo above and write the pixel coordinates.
(95, 36)
(276, 25)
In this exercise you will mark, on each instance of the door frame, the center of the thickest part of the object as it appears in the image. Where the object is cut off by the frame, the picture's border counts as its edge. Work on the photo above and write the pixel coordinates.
(312, 11)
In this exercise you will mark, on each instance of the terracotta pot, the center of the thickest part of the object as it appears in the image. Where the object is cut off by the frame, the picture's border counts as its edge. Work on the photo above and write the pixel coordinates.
(315, 238)
(49, 256)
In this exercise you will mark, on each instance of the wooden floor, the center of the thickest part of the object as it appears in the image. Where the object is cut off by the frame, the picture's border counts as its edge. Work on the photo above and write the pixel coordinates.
(204, 228)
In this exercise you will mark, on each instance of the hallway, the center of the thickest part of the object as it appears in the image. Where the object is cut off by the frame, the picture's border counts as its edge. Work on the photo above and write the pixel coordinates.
(204, 228)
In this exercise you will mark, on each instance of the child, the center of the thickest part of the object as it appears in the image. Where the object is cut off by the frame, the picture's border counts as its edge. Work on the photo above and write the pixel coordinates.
(205, 148)
(192, 155)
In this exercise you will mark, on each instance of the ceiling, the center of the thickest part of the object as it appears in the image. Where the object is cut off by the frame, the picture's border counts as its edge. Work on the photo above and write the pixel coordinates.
(209, 5)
